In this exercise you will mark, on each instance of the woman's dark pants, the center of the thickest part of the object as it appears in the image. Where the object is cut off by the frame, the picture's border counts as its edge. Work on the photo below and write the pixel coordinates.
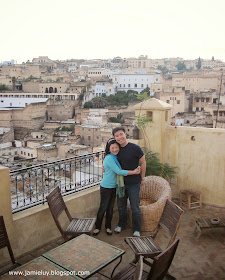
(108, 196)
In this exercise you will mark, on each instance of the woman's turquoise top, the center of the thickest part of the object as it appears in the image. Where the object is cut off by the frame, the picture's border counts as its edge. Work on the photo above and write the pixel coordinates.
(111, 170)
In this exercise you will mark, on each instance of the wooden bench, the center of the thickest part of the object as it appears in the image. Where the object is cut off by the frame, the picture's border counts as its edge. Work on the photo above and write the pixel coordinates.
(203, 224)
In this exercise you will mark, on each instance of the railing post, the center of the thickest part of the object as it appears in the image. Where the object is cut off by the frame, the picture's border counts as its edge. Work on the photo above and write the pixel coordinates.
(5, 194)
(5, 208)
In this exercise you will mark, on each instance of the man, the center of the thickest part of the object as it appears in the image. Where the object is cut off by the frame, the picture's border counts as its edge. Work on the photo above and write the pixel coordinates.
(129, 157)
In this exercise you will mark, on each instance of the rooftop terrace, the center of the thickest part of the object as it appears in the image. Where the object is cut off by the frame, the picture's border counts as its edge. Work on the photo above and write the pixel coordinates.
(203, 258)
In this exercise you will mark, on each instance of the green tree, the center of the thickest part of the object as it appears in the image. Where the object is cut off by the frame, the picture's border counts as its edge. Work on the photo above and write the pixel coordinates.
(163, 69)
(147, 89)
(30, 78)
(181, 66)
(199, 63)
(142, 121)
(118, 119)
(155, 167)
(80, 98)
(88, 104)
(99, 102)
(3, 87)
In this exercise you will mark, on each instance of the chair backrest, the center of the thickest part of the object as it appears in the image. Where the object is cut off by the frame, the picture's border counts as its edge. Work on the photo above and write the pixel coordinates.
(57, 206)
(4, 240)
(139, 269)
(162, 262)
(171, 218)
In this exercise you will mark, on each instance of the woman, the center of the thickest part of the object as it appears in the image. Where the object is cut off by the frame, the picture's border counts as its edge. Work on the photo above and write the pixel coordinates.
(108, 185)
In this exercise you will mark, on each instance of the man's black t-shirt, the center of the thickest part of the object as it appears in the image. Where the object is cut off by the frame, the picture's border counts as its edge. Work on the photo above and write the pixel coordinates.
(128, 157)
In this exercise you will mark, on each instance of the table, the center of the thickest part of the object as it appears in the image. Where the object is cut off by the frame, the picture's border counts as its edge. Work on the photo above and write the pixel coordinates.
(39, 268)
(84, 254)
(202, 224)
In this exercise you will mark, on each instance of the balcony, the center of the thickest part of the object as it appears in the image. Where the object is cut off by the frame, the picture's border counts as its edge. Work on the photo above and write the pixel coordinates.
(197, 152)
(195, 259)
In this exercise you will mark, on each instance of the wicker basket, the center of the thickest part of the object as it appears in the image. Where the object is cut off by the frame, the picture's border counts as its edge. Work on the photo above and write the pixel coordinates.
(153, 196)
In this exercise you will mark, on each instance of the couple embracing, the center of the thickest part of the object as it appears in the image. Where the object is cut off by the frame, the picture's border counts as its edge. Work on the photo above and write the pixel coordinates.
(122, 179)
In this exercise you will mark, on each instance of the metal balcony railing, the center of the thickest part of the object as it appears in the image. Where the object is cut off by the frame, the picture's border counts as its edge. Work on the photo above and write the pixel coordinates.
(30, 186)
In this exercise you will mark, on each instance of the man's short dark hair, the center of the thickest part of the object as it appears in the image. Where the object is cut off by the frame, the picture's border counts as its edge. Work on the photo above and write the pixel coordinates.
(117, 129)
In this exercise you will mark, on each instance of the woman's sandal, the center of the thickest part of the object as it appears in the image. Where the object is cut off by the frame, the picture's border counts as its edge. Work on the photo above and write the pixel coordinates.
(96, 232)
(108, 231)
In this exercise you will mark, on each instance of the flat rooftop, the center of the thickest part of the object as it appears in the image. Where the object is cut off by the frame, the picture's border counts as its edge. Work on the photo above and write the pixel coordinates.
(199, 259)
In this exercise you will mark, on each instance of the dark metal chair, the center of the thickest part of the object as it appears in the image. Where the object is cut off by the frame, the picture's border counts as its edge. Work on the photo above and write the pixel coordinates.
(77, 226)
(159, 267)
(169, 221)
(4, 242)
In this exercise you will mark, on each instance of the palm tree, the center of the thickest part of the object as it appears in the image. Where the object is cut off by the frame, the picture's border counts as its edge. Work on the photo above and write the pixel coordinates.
(99, 102)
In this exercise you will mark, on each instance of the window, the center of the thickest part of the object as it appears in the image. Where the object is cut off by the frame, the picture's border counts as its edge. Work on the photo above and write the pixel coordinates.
(197, 109)
(207, 99)
(166, 116)
(197, 99)
(28, 154)
(167, 101)
(178, 101)
(202, 108)
(135, 85)
(89, 137)
(149, 114)
(32, 155)
(128, 85)
(202, 99)
(142, 85)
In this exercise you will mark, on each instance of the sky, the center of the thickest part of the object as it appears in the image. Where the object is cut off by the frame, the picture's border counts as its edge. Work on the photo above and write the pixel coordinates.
(102, 29)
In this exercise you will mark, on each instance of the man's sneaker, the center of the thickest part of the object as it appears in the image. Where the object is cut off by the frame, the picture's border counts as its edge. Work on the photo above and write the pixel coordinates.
(136, 234)
(117, 230)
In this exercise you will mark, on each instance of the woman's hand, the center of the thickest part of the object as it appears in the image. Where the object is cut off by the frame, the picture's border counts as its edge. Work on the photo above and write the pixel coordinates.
(137, 170)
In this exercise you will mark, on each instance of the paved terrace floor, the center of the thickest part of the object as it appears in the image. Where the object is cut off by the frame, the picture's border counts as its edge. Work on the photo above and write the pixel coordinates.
(195, 259)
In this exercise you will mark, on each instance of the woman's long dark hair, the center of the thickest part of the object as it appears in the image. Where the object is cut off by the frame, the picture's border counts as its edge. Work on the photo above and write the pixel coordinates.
(108, 144)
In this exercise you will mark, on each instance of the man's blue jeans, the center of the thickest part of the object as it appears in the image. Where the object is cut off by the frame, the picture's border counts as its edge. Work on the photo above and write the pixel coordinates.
(131, 192)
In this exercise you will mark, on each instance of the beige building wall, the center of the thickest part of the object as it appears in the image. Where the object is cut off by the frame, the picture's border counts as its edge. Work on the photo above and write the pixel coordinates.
(6, 81)
(174, 98)
(199, 153)
(90, 136)
(44, 153)
(12, 71)
(196, 83)
(142, 62)
(30, 86)
(95, 73)
(53, 87)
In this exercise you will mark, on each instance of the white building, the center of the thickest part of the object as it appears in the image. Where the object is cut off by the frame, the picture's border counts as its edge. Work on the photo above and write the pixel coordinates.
(10, 102)
(109, 73)
(100, 88)
(138, 80)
